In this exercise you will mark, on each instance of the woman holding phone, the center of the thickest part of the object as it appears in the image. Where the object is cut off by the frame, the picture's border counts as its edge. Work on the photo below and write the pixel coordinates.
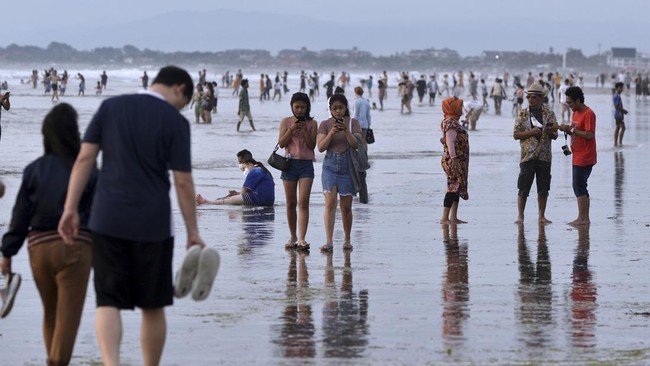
(335, 135)
(298, 137)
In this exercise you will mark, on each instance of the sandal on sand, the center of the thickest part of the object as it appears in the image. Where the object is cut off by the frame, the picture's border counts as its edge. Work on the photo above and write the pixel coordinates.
(205, 274)
(327, 248)
(303, 245)
(291, 244)
(347, 246)
(187, 272)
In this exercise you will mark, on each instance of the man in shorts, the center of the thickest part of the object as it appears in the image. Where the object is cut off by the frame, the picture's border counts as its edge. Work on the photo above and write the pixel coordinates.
(619, 114)
(583, 144)
(141, 136)
(535, 128)
(244, 106)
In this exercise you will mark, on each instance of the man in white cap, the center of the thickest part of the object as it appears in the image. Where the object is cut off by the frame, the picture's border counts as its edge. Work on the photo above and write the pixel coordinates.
(535, 128)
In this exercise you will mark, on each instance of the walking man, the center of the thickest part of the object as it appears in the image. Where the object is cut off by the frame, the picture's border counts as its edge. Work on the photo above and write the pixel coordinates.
(535, 128)
(244, 105)
(141, 136)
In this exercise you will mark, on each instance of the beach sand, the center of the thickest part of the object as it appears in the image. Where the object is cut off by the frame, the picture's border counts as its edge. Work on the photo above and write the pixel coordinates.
(413, 291)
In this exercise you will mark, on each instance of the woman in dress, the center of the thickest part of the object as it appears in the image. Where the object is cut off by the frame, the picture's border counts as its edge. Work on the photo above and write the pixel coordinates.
(298, 138)
(455, 158)
(336, 135)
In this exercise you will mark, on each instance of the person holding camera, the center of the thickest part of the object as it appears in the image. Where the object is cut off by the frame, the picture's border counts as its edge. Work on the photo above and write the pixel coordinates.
(583, 143)
(535, 128)
(619, 114)
(6, 104)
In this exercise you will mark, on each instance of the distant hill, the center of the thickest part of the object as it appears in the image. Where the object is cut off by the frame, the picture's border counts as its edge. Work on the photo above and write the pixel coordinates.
(227, 29)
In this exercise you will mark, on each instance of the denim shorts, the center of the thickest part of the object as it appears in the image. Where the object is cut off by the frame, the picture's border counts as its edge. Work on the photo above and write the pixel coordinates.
(299, 169)
(580, 176)
(336, 173)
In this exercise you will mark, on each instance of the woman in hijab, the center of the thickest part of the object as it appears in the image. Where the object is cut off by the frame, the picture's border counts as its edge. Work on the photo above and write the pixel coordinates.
(455, 158)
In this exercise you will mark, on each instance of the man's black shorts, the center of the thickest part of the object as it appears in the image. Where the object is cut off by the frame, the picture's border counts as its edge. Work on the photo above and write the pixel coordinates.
(534, 169)
(130, 273)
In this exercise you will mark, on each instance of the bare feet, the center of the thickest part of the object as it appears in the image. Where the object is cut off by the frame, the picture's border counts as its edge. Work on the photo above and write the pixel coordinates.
(544, 220)
(452, 221)
(579, 222)
(200, 199)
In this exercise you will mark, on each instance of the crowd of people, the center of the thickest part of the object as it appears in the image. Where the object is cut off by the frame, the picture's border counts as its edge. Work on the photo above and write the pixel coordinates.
(59, 217)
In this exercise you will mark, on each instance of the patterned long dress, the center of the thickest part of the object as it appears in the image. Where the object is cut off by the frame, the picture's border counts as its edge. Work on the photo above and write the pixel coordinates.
(456, 178)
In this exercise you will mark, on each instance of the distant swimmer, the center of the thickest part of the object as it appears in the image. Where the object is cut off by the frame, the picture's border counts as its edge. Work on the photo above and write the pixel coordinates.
(145, 80)
(104, 79)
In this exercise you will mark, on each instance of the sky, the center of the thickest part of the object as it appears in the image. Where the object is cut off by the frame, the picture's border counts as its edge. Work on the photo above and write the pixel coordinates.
(381, 27)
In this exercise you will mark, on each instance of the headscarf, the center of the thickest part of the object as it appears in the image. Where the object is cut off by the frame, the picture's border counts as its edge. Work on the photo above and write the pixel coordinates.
(452, 107)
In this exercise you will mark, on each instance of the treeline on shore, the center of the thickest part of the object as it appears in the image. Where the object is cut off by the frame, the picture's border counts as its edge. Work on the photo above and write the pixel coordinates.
(303, 58)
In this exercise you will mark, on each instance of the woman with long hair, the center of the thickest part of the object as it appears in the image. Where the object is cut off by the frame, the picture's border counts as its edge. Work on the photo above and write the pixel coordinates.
(298, 137)
(258, 188)
(335, 136)
(60, 270)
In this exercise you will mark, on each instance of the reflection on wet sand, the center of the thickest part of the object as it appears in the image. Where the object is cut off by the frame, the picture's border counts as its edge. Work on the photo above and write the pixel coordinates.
(619, 180)
(583, 295)
(455, 286)
(296, 336)
(535, 312)
(257, 226)
(345, 314)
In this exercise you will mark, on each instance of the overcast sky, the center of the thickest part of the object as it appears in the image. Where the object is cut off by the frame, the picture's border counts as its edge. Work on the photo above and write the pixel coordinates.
(467, 26)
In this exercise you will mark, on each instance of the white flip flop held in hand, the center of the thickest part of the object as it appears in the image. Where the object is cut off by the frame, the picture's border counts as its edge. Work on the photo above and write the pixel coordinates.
(186, 274)
(207, 271)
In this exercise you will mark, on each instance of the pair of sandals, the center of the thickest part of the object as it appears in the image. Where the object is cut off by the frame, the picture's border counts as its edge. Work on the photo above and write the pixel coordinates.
(197, 273)
(297, 244)
(328, 248)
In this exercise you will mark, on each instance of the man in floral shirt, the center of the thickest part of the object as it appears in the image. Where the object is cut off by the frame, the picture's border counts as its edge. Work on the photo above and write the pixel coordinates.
(535, 128)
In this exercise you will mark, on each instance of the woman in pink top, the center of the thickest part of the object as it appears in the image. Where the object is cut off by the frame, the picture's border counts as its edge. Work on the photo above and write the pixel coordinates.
(298, 139)
(335, 135)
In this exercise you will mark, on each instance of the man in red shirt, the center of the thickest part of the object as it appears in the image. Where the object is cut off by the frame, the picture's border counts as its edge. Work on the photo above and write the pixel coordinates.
(583, 143)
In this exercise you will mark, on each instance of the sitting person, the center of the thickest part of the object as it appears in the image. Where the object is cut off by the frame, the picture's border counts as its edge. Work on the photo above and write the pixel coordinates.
(258, 188)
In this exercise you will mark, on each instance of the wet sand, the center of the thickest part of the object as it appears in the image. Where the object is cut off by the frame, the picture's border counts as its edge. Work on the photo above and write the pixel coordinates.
(413, 291)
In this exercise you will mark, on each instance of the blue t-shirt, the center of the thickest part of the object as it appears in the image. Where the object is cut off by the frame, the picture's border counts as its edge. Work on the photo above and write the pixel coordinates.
(617, 103)
(141, 137)
(262, 187)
